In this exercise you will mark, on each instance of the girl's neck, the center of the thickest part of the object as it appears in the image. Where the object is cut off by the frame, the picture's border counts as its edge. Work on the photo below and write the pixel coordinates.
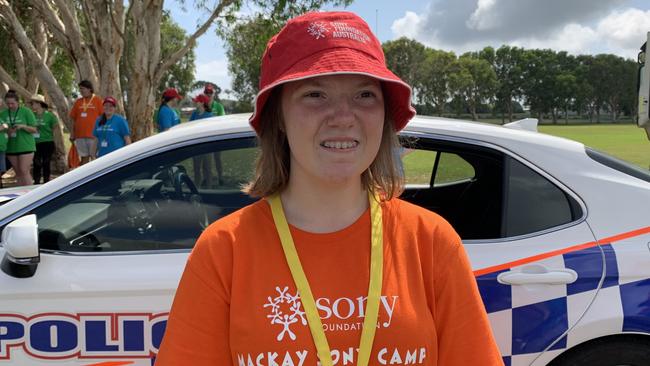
(323, 207)
(109, 116)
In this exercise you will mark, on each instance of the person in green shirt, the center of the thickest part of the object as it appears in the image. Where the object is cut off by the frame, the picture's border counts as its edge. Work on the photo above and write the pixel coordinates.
(45, 122)
(20, 143)
(3, 143)
(216, 107)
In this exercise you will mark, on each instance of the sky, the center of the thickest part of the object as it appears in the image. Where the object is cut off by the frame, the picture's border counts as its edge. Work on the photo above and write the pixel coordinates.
(575, 26)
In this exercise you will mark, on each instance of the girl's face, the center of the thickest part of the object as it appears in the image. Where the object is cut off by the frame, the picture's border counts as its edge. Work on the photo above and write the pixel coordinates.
(37, 107)
(172, 103)
(334, 126)
(109, 109)
(11, 103)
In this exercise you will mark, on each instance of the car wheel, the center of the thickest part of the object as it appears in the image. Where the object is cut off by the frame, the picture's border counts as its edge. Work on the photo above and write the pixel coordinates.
(609, 351)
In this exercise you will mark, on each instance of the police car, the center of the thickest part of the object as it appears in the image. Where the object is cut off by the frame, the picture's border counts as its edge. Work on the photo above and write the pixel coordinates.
(557, 234)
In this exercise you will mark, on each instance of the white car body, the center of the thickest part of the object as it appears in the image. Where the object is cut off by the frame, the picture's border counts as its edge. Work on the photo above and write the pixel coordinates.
(546, 291)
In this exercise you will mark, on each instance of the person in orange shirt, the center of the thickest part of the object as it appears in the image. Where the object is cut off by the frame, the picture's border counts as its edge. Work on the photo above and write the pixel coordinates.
(84, 114)
(330, 266)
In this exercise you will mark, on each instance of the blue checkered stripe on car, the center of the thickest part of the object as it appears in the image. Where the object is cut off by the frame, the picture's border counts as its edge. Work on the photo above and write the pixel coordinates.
(527, 325)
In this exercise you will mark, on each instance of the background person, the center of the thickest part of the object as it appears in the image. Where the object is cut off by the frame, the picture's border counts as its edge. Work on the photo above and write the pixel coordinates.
(167, 116)
(84, 113)
(44, 138)
(216, 107)
(20, 142)
(202, 173)
(3, 142)
(217, 110)
(326, 116)
(111, 129)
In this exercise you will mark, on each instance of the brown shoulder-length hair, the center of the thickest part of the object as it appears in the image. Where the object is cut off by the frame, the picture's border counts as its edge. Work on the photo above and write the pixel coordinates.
(273, 162)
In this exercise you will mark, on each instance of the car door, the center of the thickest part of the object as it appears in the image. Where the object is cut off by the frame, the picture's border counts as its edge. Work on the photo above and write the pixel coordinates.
(535, 259)
(111, 255)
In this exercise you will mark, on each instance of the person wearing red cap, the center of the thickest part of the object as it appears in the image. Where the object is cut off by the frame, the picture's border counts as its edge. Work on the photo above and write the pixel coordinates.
(84, 113)
(167, 117)
(201, 164)
(111, 129)
(330, 267)
(216, 107)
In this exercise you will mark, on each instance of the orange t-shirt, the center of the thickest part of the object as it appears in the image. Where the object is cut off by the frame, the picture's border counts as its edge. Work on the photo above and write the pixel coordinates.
(84, 113)
(237, 303)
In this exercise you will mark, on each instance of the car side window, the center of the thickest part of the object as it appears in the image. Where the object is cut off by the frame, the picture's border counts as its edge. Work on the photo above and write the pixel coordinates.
(484, 193)
(533, 202)
(161, 202)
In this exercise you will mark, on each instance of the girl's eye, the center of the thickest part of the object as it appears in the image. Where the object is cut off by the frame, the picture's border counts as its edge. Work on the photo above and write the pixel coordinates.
(314, 94)
(367, 94)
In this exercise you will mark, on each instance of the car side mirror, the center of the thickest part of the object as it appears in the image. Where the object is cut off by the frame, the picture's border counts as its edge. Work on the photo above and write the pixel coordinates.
(20, 242)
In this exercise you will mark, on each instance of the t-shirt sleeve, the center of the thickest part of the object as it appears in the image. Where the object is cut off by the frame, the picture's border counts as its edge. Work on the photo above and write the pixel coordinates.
(30, 118)
(99, 105)
(462, 326)
(197, 331)
(125, 128)
(52, 120)
(73, 110)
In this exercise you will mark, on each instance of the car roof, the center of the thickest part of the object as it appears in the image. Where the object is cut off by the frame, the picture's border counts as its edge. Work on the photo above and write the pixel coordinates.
(518, 141)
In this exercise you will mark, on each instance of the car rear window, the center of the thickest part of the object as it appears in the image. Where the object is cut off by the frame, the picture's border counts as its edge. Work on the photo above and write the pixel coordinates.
(618, 164)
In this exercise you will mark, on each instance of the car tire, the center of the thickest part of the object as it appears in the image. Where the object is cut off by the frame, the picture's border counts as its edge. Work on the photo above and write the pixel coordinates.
(625, 350)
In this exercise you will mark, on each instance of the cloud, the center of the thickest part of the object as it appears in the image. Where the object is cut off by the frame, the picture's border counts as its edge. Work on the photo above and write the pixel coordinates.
(215, 71)
(576, 26)
(625, 30)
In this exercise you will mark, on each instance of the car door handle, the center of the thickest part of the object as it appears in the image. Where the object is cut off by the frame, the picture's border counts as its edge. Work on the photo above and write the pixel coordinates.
(552, 277)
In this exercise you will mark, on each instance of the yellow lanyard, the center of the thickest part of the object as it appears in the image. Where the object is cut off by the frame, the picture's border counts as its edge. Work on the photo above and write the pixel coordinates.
(86, 105)
(374, 288)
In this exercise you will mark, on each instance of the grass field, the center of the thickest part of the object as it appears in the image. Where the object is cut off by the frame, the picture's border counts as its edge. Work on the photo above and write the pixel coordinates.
(625, 141)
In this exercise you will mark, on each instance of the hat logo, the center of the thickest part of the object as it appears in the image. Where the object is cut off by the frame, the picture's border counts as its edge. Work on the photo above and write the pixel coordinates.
(318, 30)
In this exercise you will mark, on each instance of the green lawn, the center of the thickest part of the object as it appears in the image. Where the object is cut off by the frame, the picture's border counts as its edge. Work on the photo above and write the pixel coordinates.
(625, 141)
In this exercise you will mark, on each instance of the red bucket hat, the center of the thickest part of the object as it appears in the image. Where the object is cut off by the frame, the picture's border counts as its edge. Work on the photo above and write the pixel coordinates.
(329, 43)
(201, 98)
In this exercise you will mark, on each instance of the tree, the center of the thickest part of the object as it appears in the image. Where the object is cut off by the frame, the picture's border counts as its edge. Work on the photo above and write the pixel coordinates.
(475, 82)
(246, 41)
(540, 69)
(405, 57)
(433, 87)
(94, 34)
(181, 74)
(508, 68)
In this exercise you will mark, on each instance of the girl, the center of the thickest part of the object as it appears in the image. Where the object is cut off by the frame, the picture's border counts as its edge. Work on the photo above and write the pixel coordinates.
(330, 266)
(45, 122)
(21, 125)
(111, 130)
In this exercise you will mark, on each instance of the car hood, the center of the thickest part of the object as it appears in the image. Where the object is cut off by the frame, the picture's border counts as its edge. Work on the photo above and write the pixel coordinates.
(8, 194)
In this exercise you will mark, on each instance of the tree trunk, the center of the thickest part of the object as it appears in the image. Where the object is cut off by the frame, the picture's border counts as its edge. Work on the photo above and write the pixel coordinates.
(40, 68)
(566, 114)
(19, 62)
(472, 110)
(510, 110)
(554, 115)
(143, 66)
(40, 43)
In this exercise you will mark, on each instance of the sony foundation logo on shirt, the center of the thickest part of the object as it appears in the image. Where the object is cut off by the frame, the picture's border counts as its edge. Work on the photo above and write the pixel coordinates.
(342, 314)
(337, 30)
